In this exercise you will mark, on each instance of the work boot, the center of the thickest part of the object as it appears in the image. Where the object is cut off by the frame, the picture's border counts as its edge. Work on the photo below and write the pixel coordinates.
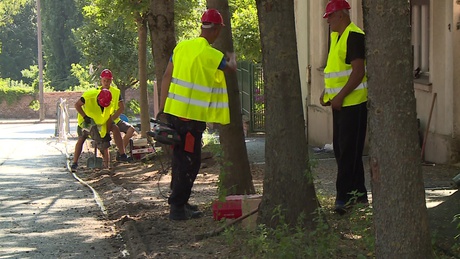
(180, 212)
(74, 167)
(124, 158)
(191, 207)
(340, 207)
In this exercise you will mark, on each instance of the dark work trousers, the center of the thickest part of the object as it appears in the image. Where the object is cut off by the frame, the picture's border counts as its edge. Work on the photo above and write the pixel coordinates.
(349, 134)
(186, 159)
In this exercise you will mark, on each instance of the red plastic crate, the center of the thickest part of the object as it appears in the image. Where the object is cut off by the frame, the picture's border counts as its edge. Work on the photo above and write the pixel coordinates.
(231, 208)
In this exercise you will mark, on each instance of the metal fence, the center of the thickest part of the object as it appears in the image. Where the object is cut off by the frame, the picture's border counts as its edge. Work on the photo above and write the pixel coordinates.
(251, 86)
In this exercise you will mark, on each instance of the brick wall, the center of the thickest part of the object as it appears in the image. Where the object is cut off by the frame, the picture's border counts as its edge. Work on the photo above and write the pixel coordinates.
(21, 110)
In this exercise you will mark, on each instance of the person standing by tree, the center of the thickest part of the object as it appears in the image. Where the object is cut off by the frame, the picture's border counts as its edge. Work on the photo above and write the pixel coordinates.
(346, 92)
(193, 92)
(119, 107)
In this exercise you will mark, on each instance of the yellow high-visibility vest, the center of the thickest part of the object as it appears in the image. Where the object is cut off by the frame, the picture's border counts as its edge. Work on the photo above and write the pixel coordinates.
(93, 110)
(115, 99)
(337, 72)
(198, 90)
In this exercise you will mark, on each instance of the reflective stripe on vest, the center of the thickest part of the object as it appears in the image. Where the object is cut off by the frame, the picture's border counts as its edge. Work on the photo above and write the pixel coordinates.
(337, 72)
(198, 102)
(335, 91)
(198, 90)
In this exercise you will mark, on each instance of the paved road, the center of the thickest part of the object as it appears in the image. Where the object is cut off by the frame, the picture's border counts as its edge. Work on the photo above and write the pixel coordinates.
(44, 211)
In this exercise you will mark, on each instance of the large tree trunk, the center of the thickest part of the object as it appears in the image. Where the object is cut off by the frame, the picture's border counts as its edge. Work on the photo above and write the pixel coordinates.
(236, 175)
(162, 35)
(288, 181)
(142, 52)
(400, 214)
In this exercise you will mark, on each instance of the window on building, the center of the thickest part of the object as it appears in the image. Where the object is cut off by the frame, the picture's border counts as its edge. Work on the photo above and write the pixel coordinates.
(420, 13)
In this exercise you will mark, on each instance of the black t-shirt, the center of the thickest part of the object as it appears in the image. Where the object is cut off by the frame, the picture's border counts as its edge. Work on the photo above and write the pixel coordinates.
(355, 47)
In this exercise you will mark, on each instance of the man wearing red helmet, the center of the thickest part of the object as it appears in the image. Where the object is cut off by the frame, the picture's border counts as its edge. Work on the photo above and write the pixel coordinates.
(119, 107)
(93, 113)
(95, 108)
(194, 92)
(346, 92)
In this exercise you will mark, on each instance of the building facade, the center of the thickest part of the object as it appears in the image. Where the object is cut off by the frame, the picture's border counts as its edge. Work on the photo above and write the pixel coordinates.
(436, 44)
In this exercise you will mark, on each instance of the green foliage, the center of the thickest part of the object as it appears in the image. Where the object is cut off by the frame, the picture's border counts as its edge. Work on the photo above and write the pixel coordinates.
(86, 81)
(245, 25)
(34, 105)
(59, 18)
(12, 91)
(10, 8)
(210, 142)
(32, 74)
(133, 108)
(19, 43)
(334, 237)
(187, 18)
(108, 39)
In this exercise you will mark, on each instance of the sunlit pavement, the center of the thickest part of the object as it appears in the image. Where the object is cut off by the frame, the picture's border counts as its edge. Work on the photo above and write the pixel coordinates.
(45, 212)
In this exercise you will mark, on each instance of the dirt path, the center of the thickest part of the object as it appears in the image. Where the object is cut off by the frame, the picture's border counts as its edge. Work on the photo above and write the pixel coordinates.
(135, 198)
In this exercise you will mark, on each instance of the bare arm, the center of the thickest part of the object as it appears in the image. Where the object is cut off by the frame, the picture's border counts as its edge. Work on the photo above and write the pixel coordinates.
(356, 76)
(166, 81)
(231, 62)
(121, 108)
(79, 107)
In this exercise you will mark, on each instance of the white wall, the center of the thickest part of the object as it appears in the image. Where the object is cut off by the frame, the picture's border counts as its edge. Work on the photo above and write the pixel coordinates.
(443, 143)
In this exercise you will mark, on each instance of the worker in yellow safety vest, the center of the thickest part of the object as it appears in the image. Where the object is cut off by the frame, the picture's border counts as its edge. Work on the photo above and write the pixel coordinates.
(118, 108)
(94, 119)
(346, 92)
(194, 92)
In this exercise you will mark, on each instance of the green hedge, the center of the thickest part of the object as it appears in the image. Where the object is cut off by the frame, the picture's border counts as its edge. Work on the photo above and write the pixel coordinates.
(14, 94)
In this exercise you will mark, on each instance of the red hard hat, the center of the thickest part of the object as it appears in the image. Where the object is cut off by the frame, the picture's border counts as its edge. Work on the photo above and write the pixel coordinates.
(106, 74)
(104, 98)
(212, 16)
(334, 6)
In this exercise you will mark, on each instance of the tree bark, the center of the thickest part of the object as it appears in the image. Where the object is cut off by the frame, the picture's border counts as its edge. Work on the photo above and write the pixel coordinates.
(236, 175)
(162, 35)
(142, 50)
(400, 214)
(288, 182)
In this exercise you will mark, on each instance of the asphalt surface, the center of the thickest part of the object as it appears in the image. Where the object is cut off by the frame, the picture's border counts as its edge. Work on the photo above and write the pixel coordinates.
(44, 211)
(435, 193)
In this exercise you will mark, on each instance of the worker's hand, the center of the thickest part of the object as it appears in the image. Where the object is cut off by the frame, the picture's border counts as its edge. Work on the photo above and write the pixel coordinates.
(336, 103)
(232, 60)
(321, 100)
(87, 119)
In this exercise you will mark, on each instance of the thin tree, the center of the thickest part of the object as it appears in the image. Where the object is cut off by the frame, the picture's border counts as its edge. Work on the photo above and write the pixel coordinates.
(288, 182)
(141, 22)
(235, 177)
(400, 214)
(162, 36)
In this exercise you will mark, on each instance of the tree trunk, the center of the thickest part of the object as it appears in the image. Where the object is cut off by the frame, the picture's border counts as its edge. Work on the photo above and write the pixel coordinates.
(162, 35)
(236, 175)
(288, 182)
(400, 214)
(142, 50)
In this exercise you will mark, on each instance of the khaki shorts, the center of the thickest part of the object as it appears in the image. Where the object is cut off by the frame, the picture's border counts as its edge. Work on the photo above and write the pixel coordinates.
(123, 126)
(102, 143)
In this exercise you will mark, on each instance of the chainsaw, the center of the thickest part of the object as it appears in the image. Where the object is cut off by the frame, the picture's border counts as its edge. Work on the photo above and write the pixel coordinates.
(163, 133)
